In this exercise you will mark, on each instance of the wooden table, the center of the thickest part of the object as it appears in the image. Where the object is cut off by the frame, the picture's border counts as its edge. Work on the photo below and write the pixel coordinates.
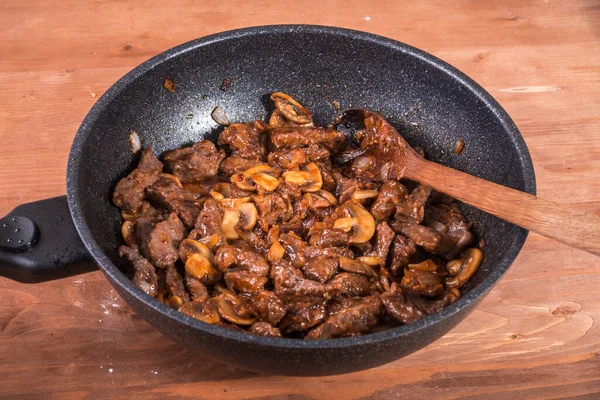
(537, 335)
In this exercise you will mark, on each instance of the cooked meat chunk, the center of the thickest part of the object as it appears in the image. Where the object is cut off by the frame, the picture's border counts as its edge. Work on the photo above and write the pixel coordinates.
(291, 138)
(129, 192)
(267, 307)
(348, 284)
(421, 235)
(144, 275)
(262, 255)
(164, 241)
(292, 287)
(197, 163)
(321, 268)
(245, 140)
(452, 226)
(196, 288)
(401, 252)
(329, 237)
(391, 195)
(175, 285)
(288, 159)
(264, 329)
(407, 307)
(351, 321)
(302, 316)
(413, 207)
(236, 165)
(167, 194)
(384, 235)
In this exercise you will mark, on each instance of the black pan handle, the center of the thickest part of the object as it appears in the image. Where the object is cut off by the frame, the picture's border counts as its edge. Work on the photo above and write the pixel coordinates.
(38, 242)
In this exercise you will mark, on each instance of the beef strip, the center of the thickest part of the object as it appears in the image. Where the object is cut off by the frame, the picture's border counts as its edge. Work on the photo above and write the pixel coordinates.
(401, 252)
(236, 165)
(175, 285)
(349, 284)
(267, 307)
(129, 192)
(302, 316)
(407, 307)
(144, 274)
(245, 140)
(391, 195)
(264, 329)
(164, 241)
(273, 208)
(352, 321)
(291, 137)
(288, 159)
(245, 271)
(292, 287)
(196, 288)
(413, 206)
(384, 235)
(421, 235)
(327, 237)
(451, 224)
(197, 163)
(143, 228)
(208, 224)
(166, 193)
(321, 268)
(294, 248)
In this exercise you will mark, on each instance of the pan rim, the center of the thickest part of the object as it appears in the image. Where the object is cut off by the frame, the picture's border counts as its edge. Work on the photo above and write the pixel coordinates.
(115, 275)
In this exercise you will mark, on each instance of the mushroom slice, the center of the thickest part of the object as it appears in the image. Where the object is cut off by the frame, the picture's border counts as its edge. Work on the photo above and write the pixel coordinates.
(309, 178)
(360, 222)
(127, 232)
(203, 311)
(469, 262)
(364, 194)
(242, 215)
(220, 191)
(190, 246)
(291, 109)
(426, 266)
(328, 196)
(234, 309)
(320, 199)
(198, 266)
(175, 302)
(262, 175)
(371, 260)
(352, 265)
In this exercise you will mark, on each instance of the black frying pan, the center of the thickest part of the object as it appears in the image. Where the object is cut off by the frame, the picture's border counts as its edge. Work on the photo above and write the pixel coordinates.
(431, 104)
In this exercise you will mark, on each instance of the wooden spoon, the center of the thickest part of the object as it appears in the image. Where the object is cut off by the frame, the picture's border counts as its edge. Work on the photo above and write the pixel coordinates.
(560, 222)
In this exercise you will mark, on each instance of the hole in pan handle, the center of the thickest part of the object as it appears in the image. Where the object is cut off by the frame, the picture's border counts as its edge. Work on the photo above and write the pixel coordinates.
(38, 242)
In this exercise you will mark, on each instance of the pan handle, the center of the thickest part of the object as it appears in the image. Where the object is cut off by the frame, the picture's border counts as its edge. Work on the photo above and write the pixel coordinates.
(38, 242)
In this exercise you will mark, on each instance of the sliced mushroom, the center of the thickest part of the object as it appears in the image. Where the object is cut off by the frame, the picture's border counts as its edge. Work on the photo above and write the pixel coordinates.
(469, 262)
(127, 233)
(242, 215)
(189, 246)
(427, 266)
(291, 109)
(262, 175)
(309, 178)
(352, 265)
(364, 194)
(220, 191)
(175, 302)
(234, 309)
(319, 199)
(328, 196)
(198, 266)
(203, 311)
(360, 222)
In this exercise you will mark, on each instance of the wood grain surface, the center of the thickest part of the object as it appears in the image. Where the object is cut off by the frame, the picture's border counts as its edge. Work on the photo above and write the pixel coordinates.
(537, 335)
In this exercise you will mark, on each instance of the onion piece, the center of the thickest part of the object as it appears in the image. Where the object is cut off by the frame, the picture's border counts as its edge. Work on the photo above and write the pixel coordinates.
(218, 114)
(134, 142)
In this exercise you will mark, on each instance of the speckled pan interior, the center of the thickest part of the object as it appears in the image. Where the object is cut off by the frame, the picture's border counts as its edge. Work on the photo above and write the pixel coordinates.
(431, 103)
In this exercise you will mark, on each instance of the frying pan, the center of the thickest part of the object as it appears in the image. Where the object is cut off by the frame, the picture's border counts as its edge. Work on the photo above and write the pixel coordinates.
(428, 101)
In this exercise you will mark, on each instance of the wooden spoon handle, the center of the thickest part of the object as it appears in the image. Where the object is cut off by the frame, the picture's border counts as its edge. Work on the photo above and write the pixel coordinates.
(573, 227)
